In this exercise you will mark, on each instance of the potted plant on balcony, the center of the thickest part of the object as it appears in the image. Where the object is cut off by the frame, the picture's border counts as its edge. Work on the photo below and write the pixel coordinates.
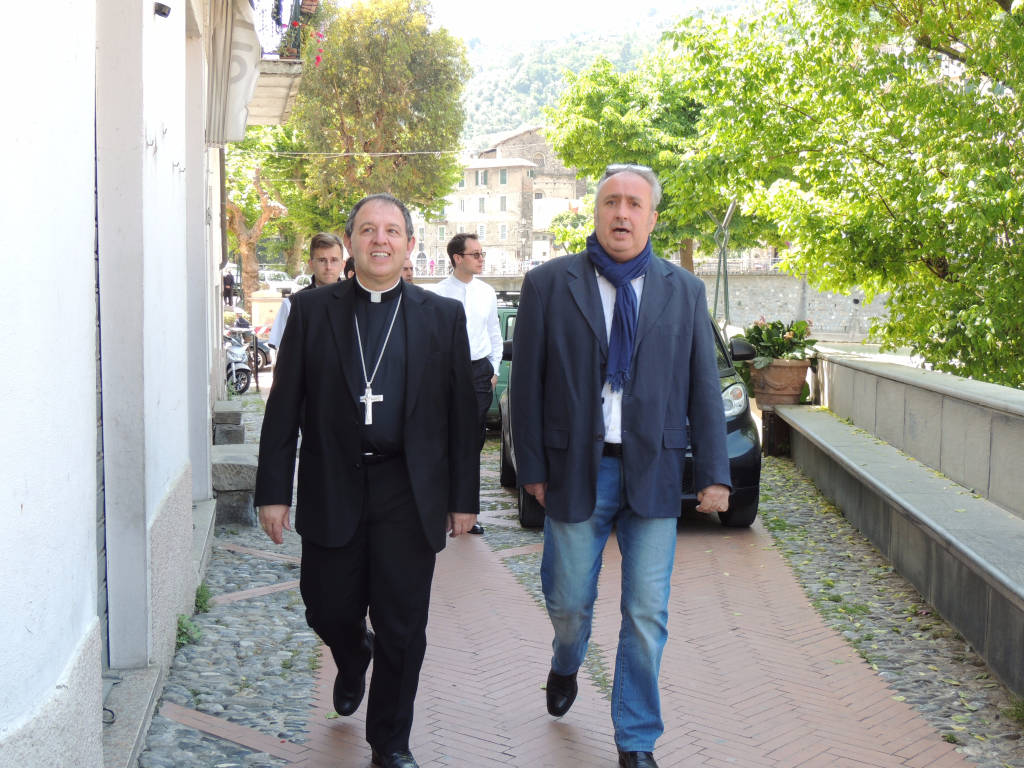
(779, 368)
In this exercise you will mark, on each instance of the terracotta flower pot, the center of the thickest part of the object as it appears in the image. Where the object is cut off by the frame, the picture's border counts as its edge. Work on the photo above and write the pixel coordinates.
(780, 382)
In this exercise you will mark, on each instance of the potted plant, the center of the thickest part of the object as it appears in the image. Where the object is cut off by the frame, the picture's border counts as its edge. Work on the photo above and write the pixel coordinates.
(782, 356)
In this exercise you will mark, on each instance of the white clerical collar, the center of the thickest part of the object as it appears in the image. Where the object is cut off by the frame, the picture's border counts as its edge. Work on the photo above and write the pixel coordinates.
(376, 295)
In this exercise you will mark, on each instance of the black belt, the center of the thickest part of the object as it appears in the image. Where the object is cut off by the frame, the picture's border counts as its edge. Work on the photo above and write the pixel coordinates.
(373, 457)
(614, 450)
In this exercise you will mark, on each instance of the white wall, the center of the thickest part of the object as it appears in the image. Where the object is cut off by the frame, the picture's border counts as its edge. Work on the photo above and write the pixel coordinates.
(164, 253)
(141, 113)
(47, 389)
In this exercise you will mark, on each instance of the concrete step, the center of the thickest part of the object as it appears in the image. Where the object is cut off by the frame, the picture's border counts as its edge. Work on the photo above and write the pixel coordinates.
(961, 551)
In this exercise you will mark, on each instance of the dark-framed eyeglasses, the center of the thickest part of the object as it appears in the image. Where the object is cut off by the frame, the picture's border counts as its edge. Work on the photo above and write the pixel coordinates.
(475, 254)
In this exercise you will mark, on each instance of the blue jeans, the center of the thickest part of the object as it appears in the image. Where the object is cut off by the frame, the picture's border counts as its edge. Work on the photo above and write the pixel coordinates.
(569, 571)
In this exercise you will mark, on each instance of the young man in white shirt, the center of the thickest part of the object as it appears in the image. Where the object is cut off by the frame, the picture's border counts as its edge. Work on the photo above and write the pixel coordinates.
(326, 255)
(481, 305)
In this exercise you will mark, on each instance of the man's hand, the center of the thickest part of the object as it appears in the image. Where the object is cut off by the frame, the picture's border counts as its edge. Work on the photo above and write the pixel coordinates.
(274, 517)
(714, 498)
(459, 523)
(494, 381)
(537, 490)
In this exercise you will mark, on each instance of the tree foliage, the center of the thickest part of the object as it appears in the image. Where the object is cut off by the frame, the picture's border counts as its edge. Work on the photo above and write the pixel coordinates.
(252, 204)
(648, 116)
(884, 140)
(380, 111)
(571, 228)
(512, 88)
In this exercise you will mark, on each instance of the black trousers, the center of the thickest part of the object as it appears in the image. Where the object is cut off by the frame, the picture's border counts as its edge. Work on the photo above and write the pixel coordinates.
(384, 571)
(482, 373)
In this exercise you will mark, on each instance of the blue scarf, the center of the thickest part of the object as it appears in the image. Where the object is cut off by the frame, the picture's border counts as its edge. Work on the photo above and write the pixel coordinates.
(624, 318)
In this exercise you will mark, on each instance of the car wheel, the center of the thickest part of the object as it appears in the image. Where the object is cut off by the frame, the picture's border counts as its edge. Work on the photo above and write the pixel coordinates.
(741, 517)
(507, 475)
(531, 513)
(264, 359)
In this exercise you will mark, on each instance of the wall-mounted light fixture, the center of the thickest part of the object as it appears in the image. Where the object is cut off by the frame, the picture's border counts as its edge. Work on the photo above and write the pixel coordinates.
(162, 10)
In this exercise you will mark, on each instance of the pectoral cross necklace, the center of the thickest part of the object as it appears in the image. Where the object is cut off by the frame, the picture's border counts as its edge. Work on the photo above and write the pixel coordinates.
(368, 398)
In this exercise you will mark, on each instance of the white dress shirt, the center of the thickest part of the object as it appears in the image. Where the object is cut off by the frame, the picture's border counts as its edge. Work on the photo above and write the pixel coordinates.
(611, 402)
(280, 321)
(481, 305)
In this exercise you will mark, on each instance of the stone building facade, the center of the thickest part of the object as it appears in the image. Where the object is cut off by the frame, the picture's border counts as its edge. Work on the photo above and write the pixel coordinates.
(507, 197)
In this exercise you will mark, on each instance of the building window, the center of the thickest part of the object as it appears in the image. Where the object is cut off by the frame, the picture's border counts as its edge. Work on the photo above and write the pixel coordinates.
(441, 233)
(503, 176)
(462, 182)
(482, 204)
(422, 234)
(462, 205)
(503, 232)
(481, 232)
(503, 203)
(481, 178)
(538, 195)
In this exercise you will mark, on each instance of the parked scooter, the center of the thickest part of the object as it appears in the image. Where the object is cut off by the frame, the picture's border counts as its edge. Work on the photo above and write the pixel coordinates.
(238, 372)
(264, 356)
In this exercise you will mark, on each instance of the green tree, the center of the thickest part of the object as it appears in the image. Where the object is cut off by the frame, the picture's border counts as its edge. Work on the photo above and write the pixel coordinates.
(380, 110)
(571, 228)
(251, 205)
(646, 116)
(883, 140)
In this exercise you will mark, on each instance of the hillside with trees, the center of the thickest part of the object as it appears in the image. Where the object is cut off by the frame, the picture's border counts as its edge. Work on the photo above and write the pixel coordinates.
(513, 82)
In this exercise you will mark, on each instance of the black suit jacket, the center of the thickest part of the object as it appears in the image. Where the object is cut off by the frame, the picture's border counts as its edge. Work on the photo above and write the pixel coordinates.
(317, 379)
(558, 369)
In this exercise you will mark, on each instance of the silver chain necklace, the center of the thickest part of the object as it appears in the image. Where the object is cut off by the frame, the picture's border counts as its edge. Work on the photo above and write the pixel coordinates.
(368, 398)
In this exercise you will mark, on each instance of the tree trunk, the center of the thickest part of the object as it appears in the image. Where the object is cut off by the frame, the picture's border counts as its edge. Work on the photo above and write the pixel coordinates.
(249, 237)
(686, 254)
(295, 255)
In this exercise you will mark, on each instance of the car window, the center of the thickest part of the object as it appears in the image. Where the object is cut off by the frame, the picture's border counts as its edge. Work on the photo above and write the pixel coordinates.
(510, 326)
(720, 357)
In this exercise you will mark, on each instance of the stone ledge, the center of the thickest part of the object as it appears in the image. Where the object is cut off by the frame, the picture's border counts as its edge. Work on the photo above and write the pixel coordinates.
(203, 518)
(992, 396)
(227, 412)
(961, 551)
(132, 701)
(234, 467)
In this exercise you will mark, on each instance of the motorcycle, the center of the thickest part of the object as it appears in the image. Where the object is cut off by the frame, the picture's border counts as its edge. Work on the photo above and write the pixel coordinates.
(264, 356)
(238, 372)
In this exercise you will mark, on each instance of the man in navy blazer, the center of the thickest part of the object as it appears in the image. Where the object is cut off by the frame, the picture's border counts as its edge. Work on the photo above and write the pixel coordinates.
(613, 368)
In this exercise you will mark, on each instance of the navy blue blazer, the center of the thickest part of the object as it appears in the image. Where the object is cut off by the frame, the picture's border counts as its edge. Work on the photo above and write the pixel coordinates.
(557, 374)
(317, 382)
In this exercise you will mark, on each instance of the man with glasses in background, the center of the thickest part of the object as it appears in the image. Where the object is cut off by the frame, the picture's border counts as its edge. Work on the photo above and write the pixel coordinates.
(614, 364)
(481, 305)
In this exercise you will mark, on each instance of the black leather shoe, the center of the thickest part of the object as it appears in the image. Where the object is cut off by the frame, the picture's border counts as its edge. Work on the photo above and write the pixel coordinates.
(347, 699)
(393, 759)
(477, 529)
(561, 690)
(636, 760)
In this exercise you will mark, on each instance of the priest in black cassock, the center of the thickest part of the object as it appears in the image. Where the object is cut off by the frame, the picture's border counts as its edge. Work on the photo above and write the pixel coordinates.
(376, 373)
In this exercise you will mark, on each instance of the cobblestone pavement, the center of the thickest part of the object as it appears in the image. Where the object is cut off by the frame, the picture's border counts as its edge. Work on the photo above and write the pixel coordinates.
(255, 660)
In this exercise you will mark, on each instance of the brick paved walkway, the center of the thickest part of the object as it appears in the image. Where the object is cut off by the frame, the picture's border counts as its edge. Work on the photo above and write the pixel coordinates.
(751, 676)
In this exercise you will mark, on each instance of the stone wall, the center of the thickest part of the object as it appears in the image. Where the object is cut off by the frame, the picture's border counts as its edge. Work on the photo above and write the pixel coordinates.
(783, 297)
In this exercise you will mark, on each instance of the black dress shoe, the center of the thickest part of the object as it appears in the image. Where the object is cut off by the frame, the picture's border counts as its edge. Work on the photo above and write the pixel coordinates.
(636, 760)
(561, 693)
(477, 529)
(348, 698)
(393, 759)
